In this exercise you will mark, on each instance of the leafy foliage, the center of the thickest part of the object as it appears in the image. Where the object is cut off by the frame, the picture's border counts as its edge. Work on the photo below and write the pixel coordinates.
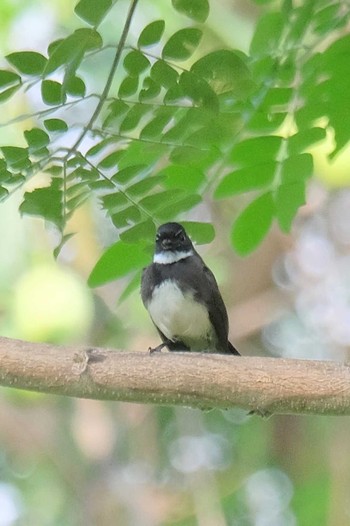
(181, 123)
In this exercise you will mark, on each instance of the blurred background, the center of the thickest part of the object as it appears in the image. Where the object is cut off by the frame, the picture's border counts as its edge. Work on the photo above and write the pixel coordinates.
(82, 462)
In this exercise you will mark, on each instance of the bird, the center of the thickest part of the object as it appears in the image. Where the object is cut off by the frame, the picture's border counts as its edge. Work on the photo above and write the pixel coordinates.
(182, 296)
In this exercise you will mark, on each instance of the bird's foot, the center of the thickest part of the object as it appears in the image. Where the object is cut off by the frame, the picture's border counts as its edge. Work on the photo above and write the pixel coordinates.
(264, 413)
(157, 349)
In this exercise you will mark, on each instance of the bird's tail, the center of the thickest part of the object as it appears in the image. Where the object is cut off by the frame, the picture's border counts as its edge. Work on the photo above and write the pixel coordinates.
(232, 349)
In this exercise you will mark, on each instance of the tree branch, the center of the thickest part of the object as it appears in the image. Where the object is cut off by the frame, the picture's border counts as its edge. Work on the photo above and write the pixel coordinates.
(265, 385)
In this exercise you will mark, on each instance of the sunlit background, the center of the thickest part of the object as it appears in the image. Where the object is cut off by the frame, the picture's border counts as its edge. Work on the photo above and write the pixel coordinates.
(81, 462)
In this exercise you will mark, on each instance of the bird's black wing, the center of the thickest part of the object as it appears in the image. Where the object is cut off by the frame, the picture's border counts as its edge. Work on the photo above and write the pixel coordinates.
(202, 281)
(146, 284)
(218, 314)
(217, 310)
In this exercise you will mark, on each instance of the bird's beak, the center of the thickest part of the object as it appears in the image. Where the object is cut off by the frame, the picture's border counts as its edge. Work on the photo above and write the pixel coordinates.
(166, 244)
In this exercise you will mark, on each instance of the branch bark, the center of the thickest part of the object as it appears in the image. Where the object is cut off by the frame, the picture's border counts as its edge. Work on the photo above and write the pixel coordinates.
(264, 385)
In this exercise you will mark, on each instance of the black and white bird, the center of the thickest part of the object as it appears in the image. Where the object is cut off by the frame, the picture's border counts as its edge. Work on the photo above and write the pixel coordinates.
(182, 297)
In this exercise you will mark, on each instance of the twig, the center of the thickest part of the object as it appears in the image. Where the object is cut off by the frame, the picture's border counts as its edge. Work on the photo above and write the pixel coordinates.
(262, 385)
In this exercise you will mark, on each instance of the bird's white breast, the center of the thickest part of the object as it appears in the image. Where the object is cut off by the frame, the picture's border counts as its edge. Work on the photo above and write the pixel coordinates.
(168, 257)
(178, 315)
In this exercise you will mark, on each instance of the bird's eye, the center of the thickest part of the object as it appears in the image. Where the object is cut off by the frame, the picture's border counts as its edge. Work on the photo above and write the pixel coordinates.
(180, 235)
(157, 237)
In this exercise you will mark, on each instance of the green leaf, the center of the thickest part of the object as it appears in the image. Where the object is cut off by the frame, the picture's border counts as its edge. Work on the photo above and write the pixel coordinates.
(205, 138)
(76, 160)
(75, 189)
(198, 90)
(217, 132)
(16, 179)
(116, 109)
(36, 139)
(287, 69)
(264, 68)
(84, 175)
(133, 284)
(135, 63)
(288, 199)
(93, 12)
(200, 233)
(115, 201)
(191, 120)
(7, 94)
(126, 217)
(143, 152)
(54, 169)
(246, 179)
(42, 152)
(71, 50)
(75, 86)
(8, 78)
(304, 139)
(111, 160)
(146, 185)
(52, 93)
(76, 201)
(53, 46)
(182, 44)
(225, 72)
(55, 125)
(198, 10)
(177, 204)
(5, 174)
(102, 184)
(256, 150)
(151, 34)
(328, 19)
(118, 260)
(3, 193)
(164, 74)
(155, 127)
(252, 224)
(267, 34)
(186, 155)
(61, 244)
(128, 86)
(99, 147)
(28, 62)
(263, 122)
(46, 203)
(141, 233)
(17, 158)
(296, 168)
(150, 89)
(185, 177)
(157, 201)
(301, 22)
(133, 117)
(174, 96)
(128, 173)
(277, 97)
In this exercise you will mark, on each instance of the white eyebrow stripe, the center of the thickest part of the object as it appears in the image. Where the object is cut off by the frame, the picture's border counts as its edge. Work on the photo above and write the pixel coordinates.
(166, 258)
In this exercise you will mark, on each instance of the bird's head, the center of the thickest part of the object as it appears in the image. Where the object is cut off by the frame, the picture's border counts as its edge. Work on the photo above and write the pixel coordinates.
(172, 244)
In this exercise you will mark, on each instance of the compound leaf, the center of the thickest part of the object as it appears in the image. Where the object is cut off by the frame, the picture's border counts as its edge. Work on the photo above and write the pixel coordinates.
(252, 225)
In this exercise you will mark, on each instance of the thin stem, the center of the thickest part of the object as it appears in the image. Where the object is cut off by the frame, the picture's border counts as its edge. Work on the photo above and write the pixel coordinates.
(108, 84)
(64, 192)
(48, 111)
(123, 192)
(106, 134)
